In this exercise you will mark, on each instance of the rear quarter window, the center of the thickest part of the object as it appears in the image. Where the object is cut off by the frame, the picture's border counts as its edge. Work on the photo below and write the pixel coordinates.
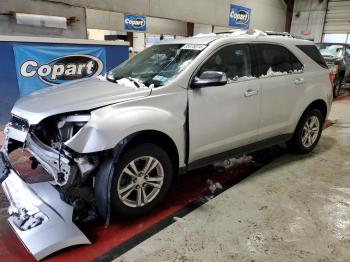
(312, 52)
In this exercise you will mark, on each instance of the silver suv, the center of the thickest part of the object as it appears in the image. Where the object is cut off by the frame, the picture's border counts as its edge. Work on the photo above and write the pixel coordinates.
(114, 145)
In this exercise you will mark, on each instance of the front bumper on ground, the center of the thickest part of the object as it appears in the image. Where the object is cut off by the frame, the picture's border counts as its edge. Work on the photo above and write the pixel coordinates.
(39, 217)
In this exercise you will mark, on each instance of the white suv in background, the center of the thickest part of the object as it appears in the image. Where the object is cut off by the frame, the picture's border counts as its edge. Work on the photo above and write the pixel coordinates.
(174, 107)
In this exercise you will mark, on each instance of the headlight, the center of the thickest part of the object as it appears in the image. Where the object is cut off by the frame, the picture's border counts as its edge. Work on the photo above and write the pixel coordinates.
(19, 123)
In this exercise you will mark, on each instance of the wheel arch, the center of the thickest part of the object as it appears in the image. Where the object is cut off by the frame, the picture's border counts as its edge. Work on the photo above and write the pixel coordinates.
(158, 138)
(294, 144)
(320, 105)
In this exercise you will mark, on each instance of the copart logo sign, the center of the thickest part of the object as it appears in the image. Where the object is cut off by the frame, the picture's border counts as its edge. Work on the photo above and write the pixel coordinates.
(69, 67)
(41, 66)
(239, 16)
(134, 22)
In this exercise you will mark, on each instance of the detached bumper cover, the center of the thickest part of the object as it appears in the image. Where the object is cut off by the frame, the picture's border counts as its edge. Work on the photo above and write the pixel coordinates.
(38, 216)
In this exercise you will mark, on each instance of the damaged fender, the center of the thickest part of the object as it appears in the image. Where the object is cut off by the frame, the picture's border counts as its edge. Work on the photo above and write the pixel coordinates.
(103, 182)
(110, 125)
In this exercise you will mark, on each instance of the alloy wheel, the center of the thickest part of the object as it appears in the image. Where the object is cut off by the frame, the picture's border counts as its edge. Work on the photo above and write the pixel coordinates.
(140, 181)
(310, 131)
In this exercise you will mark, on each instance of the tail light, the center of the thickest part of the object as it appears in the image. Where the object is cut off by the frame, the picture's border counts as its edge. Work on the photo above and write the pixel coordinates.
(331, 79)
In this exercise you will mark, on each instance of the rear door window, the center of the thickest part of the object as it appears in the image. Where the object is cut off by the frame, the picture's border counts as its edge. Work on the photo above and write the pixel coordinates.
(277, 60)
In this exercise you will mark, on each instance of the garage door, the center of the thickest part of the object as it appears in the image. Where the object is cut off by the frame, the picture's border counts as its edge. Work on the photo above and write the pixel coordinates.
(337, 17)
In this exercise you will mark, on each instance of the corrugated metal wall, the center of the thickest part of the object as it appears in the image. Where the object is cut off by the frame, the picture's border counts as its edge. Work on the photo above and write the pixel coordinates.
(266, 14)
(309, 15)
(337, 17)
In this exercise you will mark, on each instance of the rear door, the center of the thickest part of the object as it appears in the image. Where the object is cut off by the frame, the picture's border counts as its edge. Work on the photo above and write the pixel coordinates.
(282, 84)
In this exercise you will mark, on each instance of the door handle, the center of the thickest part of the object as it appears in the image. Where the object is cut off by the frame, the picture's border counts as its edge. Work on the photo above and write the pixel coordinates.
(251, 92)
(299, 81)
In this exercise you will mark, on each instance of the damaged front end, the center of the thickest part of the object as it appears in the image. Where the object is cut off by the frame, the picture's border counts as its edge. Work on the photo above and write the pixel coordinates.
(43, 214)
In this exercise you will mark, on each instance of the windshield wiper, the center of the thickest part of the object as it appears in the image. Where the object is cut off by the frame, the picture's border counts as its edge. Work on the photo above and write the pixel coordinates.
(137, 84)
(111, 79)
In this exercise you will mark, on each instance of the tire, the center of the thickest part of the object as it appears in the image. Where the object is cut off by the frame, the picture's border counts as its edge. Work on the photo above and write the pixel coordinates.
(337, 87)
(130, 185)
(298, 144)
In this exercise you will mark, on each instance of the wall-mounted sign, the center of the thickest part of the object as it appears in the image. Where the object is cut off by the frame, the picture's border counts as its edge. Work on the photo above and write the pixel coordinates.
(134, 22)
(40, 66)
(239, 16)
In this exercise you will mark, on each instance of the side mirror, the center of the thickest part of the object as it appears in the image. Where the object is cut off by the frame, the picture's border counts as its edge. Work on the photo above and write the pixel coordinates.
(210, 78)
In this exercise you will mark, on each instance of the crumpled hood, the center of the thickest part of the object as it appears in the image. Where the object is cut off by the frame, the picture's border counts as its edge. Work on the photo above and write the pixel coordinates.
(76, 96)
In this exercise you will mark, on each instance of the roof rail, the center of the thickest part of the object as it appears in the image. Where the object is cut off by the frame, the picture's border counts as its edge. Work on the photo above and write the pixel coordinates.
(279, 33)
(286, 34)
(242, 31)
(251, 32)
(236, 32)
(223, 33)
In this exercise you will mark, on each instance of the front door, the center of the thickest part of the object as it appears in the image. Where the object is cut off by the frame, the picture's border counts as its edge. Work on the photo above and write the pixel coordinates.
(225, 117)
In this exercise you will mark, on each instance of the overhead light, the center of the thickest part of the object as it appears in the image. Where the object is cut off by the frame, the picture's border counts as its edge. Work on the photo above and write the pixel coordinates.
(41, 20)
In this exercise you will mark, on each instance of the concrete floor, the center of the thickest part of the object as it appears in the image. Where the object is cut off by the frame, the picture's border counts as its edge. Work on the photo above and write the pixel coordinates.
(295, 209)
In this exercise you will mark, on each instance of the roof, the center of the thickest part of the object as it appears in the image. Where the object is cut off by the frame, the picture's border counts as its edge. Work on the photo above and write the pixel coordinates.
(238, 35)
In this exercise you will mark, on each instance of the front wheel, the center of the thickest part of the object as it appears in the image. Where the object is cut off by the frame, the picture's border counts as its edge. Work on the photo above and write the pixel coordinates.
(142, 177)
(307, 133)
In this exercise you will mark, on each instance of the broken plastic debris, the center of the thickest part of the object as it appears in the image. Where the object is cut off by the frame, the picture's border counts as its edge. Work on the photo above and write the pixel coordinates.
(204, 35)
(298, 71)
(179, 219)
(214, 186)
(102, 77)
(250, 32)
(270, 73)
(242, 78)
(231, 162)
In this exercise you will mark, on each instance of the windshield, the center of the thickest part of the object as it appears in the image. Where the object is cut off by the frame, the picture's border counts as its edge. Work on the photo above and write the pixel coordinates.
(332, 51)
(156, 65)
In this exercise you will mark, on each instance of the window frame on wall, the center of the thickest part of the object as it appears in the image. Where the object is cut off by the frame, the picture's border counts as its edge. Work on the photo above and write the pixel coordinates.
(336, 41)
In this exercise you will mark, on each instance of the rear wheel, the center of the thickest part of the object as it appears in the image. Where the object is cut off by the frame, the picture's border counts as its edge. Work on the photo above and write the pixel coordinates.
(337, 87)
(307, 133)
(142, 177)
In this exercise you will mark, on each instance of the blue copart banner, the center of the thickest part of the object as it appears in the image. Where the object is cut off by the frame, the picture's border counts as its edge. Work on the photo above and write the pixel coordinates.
(39, 66)
(135, 22)
(239, 16)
